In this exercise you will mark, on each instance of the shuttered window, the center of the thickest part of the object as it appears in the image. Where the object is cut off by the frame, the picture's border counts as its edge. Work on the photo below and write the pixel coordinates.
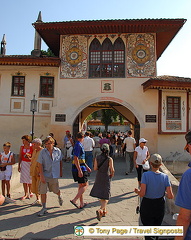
(173, 108)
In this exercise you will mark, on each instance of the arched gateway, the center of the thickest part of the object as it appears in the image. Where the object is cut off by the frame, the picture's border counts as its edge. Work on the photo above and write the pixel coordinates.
(120, 106)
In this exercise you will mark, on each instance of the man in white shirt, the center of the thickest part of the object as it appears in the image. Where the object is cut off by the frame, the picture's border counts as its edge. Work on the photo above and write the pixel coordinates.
(65, 139)
(96, 150)
(129, 143)
(88, 144)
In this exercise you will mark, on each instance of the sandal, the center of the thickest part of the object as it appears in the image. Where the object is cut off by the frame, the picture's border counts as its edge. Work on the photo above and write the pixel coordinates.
(36, 202)
(99, 214)
(25, 197)
(31, 195)
(74, 204)
(104, 213)
(85, 204)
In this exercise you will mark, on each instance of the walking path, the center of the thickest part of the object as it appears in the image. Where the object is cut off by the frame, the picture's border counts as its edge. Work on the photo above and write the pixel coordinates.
(20, 220)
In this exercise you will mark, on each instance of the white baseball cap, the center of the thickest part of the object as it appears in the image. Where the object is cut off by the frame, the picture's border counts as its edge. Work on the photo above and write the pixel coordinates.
(142, 140)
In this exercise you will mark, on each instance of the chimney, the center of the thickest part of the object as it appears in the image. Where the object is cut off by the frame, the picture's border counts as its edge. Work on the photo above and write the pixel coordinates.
(37, 40)
(3, 46)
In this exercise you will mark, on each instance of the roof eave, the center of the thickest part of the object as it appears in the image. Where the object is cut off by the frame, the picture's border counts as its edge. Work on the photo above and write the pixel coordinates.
(163, 84)
(28, 61)
(165, 29)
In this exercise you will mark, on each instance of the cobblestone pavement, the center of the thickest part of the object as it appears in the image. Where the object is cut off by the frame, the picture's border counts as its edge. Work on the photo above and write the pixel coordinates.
(19, 220)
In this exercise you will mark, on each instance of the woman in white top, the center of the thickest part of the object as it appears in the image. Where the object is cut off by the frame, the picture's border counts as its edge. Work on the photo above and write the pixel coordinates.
(6, 161)
(141, 155)
(69, 147)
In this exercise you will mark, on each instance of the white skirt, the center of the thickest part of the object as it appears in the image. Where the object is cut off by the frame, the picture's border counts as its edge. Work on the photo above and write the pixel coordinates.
(25, 172)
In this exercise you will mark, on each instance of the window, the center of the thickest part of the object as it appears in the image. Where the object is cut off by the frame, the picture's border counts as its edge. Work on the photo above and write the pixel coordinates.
(107, 60)
(46, 87)
(95, 58)
(18, 86)
(119, 58)
(173, 108)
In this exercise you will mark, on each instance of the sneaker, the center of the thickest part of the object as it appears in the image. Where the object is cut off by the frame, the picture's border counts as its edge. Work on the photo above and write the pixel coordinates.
(60, 200)
(42, 212)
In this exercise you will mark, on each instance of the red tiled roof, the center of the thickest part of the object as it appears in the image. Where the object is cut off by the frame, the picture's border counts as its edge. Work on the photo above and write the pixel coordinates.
(165, 30)
(28, 60)
(168, 82)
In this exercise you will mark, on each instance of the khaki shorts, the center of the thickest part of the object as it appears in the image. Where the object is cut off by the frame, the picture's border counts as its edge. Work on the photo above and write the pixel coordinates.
(51, 184)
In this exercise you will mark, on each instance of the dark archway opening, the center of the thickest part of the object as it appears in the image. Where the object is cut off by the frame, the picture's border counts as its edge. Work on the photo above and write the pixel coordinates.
(120, 109)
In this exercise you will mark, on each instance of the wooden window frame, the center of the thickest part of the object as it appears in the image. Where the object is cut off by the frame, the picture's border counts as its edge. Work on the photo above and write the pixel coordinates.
(103, 65)
(174, 106)
(42, 94)
(20, 86)
(160, 113)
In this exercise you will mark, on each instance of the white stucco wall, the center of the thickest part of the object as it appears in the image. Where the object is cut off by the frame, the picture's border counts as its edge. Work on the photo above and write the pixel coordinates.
(16, 123)
(71, 97)
(76, 94)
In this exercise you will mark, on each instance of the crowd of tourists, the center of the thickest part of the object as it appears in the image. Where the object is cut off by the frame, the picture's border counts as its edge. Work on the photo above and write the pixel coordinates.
(40, 167)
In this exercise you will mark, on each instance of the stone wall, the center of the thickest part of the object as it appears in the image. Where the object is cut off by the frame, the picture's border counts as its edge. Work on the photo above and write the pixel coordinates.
(171, 208)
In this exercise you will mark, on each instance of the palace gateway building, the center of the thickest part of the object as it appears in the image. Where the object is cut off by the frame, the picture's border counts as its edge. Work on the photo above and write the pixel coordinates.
(96, 65)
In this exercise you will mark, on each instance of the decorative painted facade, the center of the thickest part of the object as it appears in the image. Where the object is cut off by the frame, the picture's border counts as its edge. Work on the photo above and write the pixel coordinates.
(74, 57)
(141, 56)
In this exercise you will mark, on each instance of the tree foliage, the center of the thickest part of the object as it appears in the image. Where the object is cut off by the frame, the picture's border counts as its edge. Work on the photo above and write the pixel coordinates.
(107, 117)
(121, 119)
(48, 53)
(94, 115)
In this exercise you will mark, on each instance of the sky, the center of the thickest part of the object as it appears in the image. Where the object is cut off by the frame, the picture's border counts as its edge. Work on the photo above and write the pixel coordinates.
(16, 20)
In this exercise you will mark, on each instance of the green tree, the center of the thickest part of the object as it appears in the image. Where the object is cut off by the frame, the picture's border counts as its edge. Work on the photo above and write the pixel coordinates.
(94, 115)
(121, 119)
(47, 53)
(89, 117)
(107, 117)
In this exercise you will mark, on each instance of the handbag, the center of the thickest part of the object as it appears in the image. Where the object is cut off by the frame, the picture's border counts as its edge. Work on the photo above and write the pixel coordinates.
(2, 169)
(146, 165)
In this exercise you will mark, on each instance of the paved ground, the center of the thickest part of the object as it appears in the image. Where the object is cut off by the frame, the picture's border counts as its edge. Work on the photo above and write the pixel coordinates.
(20, 220)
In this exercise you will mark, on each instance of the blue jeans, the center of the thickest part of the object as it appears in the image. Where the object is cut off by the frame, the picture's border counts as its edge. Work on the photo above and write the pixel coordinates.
(89, 158)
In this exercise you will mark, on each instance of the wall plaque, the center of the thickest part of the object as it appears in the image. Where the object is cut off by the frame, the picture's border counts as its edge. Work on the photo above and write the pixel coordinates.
(150, 118)
(60, 117)
(173, 125)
